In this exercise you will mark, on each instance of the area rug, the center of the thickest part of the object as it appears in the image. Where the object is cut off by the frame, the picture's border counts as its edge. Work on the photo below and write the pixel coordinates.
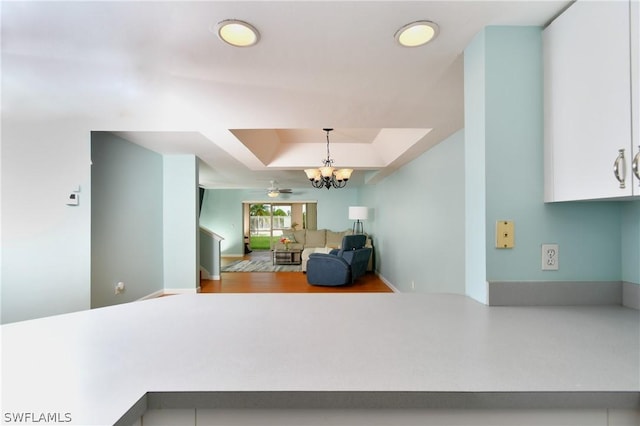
(259, 266)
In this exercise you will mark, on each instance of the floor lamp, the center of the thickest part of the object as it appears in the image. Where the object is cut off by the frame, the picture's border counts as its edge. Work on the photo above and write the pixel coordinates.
(358, 213)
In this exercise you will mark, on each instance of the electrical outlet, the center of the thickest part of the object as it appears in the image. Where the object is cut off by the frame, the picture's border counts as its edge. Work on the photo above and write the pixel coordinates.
(550, 257)
(120, 287)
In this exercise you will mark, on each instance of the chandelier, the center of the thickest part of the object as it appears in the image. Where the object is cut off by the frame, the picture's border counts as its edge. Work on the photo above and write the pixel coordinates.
(327, 176)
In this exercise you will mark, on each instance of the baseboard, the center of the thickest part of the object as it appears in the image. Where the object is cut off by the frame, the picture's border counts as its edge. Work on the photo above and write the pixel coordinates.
(631, 295)
(181, 290)
(206, 275)
(167, 291)
(387, 282)
(152, 295)
(555, 293)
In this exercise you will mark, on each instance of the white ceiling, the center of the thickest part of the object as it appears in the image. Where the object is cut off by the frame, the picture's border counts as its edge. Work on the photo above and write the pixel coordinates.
(155, 73)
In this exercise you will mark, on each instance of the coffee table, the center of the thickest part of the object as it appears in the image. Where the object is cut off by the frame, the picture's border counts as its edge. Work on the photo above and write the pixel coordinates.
(287, 257)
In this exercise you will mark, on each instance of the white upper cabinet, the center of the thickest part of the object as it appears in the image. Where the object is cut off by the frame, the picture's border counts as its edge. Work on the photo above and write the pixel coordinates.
(590, 86)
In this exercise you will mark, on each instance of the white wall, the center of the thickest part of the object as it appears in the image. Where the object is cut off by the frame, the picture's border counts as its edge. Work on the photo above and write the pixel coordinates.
(45, 243)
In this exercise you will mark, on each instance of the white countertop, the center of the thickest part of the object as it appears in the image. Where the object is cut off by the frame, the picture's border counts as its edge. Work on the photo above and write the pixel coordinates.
(96, 364)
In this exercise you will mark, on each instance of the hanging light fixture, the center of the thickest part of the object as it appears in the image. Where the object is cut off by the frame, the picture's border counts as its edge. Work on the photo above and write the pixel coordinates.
(327, 176)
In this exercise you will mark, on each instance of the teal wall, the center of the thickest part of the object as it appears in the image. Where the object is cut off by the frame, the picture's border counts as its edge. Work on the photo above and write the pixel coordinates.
(475, 169)
(418, 221)
(222, 213)
(126, 220)
(588, 234)
(222, 210)
(143, 221)
(207, 252)
(631, 242)
(507, 62)
(180, 225)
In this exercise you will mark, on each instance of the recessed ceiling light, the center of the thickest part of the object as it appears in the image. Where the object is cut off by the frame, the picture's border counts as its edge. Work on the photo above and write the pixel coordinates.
(416, 33)
(238, 33)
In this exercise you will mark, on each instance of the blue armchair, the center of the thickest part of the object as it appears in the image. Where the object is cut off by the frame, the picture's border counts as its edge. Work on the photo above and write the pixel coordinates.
(340, 267)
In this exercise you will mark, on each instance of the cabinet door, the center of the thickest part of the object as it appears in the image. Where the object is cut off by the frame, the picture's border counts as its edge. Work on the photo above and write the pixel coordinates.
(587, 101)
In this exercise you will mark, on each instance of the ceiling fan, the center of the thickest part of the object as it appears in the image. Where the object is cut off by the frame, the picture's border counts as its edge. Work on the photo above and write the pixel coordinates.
(273, 191)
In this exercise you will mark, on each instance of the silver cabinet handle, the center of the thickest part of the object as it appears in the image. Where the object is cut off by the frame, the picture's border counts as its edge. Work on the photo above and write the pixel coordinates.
(620, 169)
(636, 164)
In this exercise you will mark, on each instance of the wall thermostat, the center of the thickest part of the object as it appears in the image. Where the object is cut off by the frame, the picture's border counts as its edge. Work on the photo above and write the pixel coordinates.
(73, 199)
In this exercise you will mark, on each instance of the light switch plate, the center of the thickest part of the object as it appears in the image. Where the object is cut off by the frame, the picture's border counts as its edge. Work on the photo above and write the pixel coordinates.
(505, 234)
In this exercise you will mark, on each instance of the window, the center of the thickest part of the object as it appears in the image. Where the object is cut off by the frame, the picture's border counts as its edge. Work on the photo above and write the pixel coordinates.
(265, 223)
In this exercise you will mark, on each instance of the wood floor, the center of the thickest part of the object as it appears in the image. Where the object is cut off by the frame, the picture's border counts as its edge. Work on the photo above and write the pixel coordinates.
(284, 282)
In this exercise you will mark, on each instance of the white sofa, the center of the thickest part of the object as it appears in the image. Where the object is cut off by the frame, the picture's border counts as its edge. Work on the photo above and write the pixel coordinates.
(316, 241)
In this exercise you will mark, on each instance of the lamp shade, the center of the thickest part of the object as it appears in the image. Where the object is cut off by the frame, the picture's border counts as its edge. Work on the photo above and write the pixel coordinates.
(358, 213)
